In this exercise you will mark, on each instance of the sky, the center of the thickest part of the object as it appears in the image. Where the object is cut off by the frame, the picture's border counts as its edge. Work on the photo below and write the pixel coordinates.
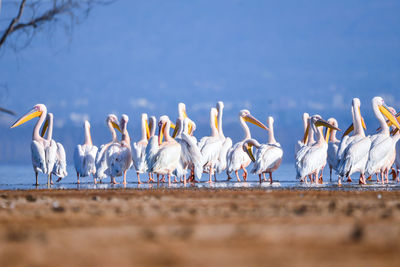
(275, 58)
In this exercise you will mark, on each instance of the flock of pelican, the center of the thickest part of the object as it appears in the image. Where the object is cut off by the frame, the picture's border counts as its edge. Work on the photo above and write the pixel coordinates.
(184, 158)
(367, 155)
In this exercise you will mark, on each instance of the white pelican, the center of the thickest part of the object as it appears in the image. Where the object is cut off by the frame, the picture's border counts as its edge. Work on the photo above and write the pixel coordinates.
(190, 153)
(304, 145)
(139, 149)
(101, 160)
(268, 157)
(397, 161)
(39, 145)
(119, 155)
(226, 141)
(314, 159)
(302, 142)
(85, 156)
(162, 158)
(333, 146)
(353, 150)
(210, 146)
(382, 144)
(59, 157)
(237, 158)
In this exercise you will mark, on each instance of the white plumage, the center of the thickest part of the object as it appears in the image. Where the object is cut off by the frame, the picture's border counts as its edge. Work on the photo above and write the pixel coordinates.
(85, 156)
(238, 159)
(119, 155)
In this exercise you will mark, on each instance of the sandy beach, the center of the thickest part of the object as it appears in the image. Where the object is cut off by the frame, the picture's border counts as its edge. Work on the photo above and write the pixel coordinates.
(199, 227)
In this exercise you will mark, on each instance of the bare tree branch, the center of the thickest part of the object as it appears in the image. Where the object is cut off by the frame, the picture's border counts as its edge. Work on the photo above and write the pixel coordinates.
(40, 13)
(15, 20)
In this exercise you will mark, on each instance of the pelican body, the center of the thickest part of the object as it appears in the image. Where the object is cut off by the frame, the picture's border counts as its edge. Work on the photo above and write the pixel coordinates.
(210, 146)
(236, 158)
(333, 146)
(382, 144)
(85, 156)
(101, 159)
(162, 158)
(139, 149)
(353, 150)
(268, 157)
(41, 148)
(119, 154)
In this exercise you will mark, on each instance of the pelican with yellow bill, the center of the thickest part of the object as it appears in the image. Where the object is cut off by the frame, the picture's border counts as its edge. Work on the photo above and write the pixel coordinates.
(313, 160)
(382, 144)
(268, 156)
(237, 158)
(39, 145)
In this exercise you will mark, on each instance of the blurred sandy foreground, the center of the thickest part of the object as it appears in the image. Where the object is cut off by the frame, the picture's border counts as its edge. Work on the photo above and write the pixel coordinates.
(199, 227)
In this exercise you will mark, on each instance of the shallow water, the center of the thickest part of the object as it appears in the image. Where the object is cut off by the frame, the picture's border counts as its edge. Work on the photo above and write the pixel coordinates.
(14, 177)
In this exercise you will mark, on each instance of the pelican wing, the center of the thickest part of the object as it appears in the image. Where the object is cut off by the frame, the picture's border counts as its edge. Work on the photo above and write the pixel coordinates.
(191, 154)
(51, 155)
(167, 159)
(378, 155)
(78, 159)
(236, 157)
(313, 160)
(101, 162)
(60, 167)
(38, 157)
(353, 156)
(222, 163)
(268, 157)
(139, 157)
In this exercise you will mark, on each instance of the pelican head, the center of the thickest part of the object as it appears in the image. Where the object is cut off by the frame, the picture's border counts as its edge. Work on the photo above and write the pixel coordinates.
(355, 107)
(145, 120)
(113, 120)
(37, 111)
(331, 121)
(182, 110)
(123, 122)
(318, 121)
(162, 123)
(49, 118)
(220, 105)
(377, 101)
(246, 116)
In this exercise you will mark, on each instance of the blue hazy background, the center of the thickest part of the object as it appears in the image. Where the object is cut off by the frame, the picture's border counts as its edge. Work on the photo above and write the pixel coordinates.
(279, 58)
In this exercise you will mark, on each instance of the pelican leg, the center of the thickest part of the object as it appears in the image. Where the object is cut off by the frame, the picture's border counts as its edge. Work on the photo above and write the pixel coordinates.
(330, 173)
(237, 176)
(339, 181)
(162, 178)
(175, 180)
(151, 177)
(215, 176)
(259, 176)
(124, 182)
(51, 180)
(113, 181)
(270, 177)
(184, 180)
(48, 179)
(349, 179)
(169, 179)
(36, 175)
(77, 178)
(382, 178)
(138, 178)
(210, 173)
(265, 178)
(362, 179)
(229, 175)
(320, 179)
(387, 176)
(94, 179)
(244, 174)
